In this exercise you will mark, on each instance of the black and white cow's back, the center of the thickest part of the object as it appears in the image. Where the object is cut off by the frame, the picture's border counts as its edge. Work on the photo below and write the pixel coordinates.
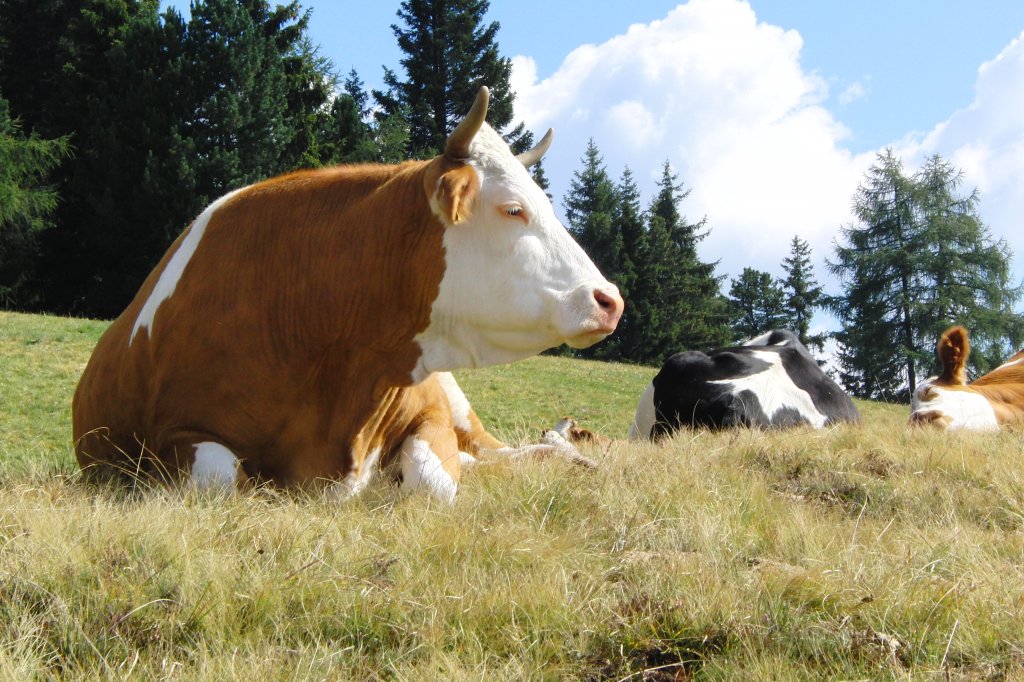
(771, 381)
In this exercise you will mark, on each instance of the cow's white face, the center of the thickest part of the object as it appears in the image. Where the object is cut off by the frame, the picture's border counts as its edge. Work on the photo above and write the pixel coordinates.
(515, 282)
(951, 408)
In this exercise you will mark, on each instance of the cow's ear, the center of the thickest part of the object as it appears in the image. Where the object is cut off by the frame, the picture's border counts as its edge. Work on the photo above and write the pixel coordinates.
(456, 191)
(953, 349)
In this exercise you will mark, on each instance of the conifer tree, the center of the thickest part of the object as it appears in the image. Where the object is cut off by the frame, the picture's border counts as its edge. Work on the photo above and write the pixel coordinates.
(345, 135)
(629, 223)
(449, 52)
(26, 204)
(693, 313)
(106, 60)
(167, 114)
(968, 272)
(756, 303)
(879, 268)
(802, 293)
(590, 207)
(919, 259)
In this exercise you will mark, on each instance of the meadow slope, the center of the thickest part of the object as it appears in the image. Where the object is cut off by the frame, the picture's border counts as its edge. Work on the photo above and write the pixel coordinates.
(870, 552)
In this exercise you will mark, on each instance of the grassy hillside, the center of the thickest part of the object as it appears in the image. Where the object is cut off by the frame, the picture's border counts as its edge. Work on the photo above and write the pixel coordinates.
(868, 552)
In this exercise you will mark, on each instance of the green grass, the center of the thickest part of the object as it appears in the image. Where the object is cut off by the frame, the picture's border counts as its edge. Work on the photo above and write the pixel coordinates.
(41, 359)
(867, 552)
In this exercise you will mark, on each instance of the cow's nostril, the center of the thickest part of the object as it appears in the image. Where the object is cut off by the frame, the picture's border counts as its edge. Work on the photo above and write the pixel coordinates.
(610, 306)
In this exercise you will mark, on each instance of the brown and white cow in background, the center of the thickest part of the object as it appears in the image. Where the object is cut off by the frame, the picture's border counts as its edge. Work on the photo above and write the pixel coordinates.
(989, 402)
(301, 328)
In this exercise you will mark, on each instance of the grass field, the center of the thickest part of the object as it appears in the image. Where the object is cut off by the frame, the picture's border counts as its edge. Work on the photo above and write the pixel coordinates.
(869, 552)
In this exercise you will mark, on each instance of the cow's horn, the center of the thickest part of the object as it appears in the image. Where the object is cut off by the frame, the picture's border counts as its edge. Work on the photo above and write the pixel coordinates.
(532, 156)
(457, 146)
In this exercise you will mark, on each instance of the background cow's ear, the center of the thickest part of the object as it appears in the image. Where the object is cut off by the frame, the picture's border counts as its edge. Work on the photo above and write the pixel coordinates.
(456, 191)
(953, 349)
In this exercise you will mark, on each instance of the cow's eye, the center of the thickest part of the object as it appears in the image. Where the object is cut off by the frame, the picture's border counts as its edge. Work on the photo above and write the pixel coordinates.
(513, 211)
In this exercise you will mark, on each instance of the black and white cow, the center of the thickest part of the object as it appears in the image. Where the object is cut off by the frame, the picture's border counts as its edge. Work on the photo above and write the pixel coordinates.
(770, 381)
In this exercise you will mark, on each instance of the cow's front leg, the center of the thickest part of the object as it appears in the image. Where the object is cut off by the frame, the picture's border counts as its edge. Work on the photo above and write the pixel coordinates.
(555, 442)
(430, 461)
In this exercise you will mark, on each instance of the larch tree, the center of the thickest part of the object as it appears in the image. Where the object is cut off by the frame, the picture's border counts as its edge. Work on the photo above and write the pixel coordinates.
(967, 269)
(879, 267)
(918, 259)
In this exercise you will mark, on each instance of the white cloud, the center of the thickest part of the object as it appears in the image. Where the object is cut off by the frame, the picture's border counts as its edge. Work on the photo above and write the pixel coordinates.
(724, 98)
(986, 141)
(852, 93)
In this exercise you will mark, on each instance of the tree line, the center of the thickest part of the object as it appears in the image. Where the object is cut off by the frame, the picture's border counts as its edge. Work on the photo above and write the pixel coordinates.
(120, 122)
(675, 300)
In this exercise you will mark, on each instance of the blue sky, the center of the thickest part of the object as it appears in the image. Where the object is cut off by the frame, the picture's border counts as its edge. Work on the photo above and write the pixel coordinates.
(916, 59)
(769, 110)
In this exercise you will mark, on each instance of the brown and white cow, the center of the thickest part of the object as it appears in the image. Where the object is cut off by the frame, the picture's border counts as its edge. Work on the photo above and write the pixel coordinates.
(301, 328)
(989, 402)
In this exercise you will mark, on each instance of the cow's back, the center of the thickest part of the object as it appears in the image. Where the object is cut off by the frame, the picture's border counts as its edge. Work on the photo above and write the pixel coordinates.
(828, 397)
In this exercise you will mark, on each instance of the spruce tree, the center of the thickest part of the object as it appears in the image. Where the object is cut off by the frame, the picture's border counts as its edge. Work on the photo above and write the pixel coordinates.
(356, 89)
(590, 207)
(756, 304)
(27, 202)
(693, 313)
(656, 297)
(629, 223)
(89, 72)
(239, 84)
(449, 52)
(589, 210)
(345, 134)
(802, 293)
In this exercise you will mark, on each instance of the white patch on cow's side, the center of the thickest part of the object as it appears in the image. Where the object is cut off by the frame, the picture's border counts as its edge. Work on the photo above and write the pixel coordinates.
(172, 273)
(422, 469)
(643, 422)
(775, 390)
(215, 467)
(457, 400)
(966, 409)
